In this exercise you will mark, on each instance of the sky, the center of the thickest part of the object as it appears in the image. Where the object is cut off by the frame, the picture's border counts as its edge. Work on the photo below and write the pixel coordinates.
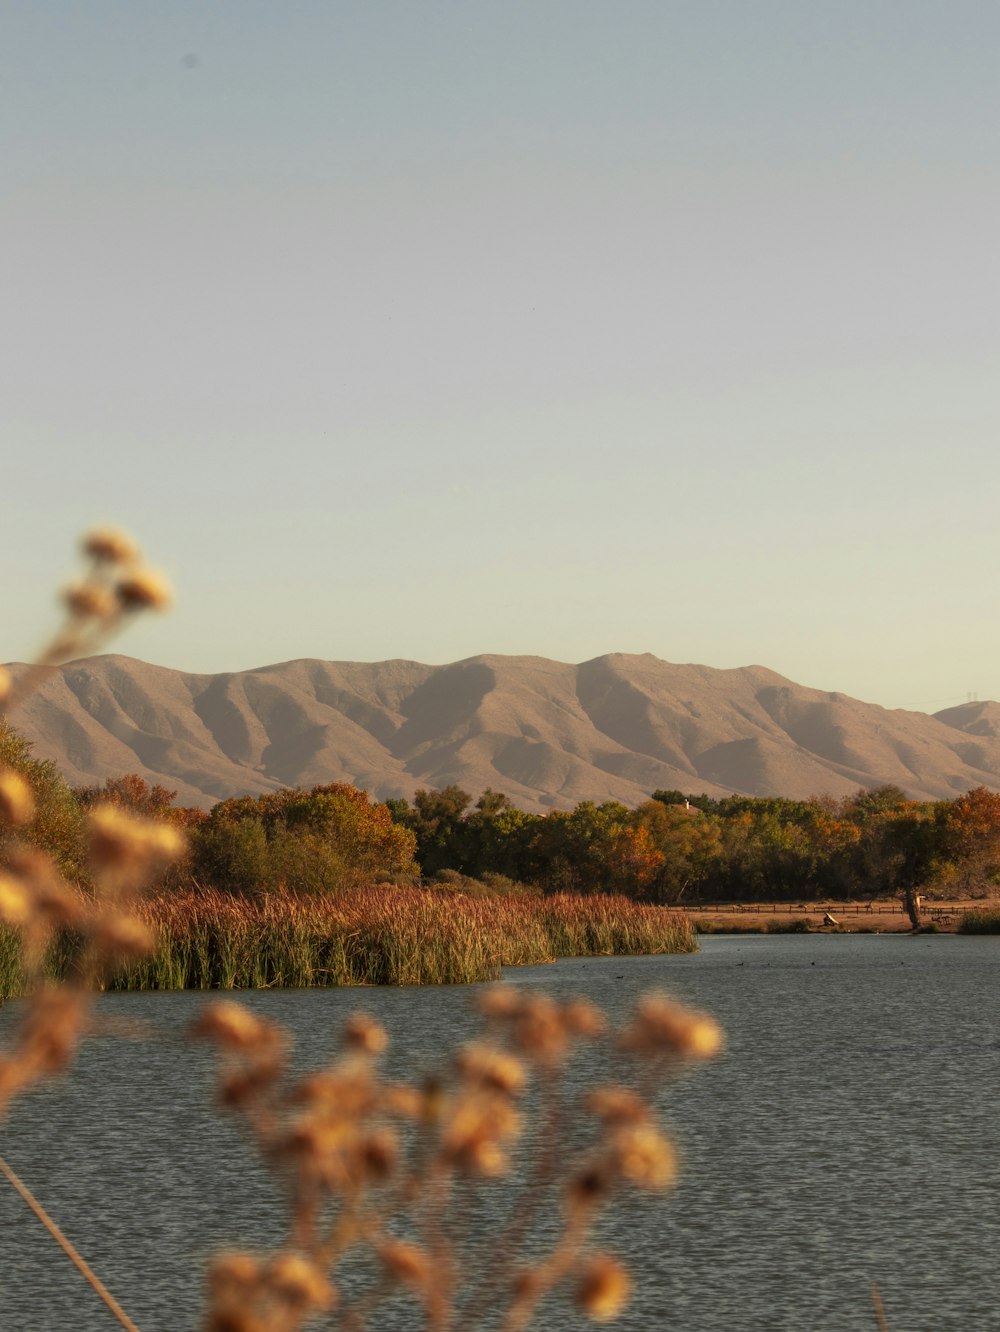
(546, 327)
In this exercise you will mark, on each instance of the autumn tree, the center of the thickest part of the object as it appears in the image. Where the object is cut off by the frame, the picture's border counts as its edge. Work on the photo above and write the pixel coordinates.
(305, 840)
(970, 842)
(593, 848)
(58, 824)
(897, 847)
(689, 843)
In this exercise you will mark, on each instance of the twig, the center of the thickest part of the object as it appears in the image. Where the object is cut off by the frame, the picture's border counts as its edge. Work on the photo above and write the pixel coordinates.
(880, 1317)
(68, 1249)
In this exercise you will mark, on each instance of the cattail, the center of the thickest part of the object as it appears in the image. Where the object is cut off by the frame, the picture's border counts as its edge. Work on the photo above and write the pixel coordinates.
(6, 686)
(144, 590)
(108, 545)
(603, 1289)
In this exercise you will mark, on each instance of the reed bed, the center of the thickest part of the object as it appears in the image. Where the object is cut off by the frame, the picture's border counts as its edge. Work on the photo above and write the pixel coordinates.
(206, 940)
(383, 936)
(985, 921)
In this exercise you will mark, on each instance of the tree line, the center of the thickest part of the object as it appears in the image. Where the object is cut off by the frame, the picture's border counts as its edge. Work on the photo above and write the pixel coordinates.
(676, 848)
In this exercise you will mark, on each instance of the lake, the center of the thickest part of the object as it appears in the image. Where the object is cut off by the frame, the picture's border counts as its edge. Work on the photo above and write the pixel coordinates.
(848, 1135)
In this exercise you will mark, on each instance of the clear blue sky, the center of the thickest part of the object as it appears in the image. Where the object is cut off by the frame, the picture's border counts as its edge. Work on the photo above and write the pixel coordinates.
(429, 329)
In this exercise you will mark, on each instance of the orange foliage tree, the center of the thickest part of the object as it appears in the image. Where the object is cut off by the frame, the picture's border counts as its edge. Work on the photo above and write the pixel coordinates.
(301, 839)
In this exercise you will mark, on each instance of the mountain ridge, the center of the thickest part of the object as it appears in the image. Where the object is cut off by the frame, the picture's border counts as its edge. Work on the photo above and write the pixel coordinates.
(548, 733)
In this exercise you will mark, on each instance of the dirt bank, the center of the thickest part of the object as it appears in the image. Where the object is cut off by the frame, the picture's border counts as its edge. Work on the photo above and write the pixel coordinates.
(883, 917)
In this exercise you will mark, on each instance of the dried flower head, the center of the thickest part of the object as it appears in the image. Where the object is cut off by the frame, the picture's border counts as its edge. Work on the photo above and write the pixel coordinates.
(500, 1001)
(124, 937)
(662, 1026)
(539, 1031)
(299, 1282)
(407, 1263)
(144, 590)
(493, 1070)
(123, 844)
(234, 1027)
(475, 1133)
(644, 1157)
(233, 1272)
(17, 804)
(379, 1153)
(52, 1027)
(583, 1018)
(588, 1189)
(53, 902)
(109, 545)
(618, 1105)
(403, 1102)
(603, 1288)
(90, 601)
(364, 1035)
(16, 905)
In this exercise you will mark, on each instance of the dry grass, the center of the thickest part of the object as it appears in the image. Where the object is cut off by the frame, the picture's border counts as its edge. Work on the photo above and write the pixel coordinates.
(376, 936)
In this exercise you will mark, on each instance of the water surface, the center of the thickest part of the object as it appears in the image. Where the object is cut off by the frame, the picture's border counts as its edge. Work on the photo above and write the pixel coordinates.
(848, 1135)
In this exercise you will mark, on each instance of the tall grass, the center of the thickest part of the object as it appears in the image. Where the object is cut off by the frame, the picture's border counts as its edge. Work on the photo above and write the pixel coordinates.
(380, 935)
(384, 935)
(985, 921)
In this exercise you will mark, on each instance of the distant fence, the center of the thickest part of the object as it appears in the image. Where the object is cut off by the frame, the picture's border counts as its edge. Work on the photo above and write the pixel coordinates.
(934, 911)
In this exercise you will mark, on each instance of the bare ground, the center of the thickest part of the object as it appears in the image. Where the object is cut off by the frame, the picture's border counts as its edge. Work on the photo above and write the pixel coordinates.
(884, 917)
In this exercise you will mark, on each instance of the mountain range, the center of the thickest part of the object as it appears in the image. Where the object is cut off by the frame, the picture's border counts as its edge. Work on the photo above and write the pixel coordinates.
(547, 733)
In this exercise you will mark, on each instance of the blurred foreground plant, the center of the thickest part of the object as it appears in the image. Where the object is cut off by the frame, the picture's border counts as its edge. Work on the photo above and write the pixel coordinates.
(392, 1170)
(373, 1167)
(123, 854)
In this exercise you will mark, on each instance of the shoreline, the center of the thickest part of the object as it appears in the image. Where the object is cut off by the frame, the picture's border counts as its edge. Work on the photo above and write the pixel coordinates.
(882, 917)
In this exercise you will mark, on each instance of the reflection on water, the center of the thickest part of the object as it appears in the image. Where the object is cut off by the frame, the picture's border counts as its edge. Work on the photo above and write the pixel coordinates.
(848, 1135)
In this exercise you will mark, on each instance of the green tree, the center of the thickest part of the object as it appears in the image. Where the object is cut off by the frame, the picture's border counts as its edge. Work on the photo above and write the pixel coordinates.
(593, 848)
(436, 821)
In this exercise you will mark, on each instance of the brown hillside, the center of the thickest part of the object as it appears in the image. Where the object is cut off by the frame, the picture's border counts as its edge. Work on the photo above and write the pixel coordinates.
(547, 733)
